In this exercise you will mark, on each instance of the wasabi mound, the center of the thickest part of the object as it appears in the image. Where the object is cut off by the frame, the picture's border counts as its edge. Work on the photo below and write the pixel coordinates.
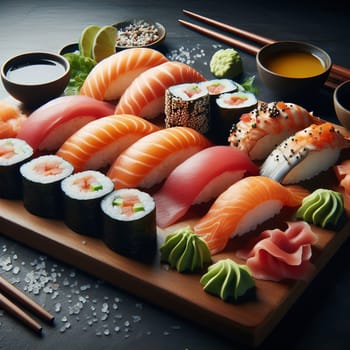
(185, 251)
(226, 63)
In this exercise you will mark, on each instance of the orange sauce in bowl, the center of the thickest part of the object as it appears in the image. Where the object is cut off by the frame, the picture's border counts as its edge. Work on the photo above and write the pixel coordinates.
(296, 64)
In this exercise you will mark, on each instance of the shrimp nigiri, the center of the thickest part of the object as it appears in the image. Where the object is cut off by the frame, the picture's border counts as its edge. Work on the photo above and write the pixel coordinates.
(305, 154)
(243, 206)
(109, 78)
(259, 131)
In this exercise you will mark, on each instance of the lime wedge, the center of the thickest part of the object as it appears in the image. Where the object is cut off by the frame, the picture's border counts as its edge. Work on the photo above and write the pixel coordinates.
(86, 39)
(104, 43)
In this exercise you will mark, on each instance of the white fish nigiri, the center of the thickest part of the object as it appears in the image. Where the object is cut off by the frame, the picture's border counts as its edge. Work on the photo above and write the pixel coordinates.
(305, 154)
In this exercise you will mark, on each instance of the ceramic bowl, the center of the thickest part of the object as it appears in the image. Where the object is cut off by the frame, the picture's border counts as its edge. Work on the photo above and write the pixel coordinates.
(341, 99)
(34, 78)
(301, 81)
(126, 30)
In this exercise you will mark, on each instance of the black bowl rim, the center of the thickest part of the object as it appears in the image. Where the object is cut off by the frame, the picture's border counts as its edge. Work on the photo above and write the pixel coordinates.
(34, 54)
(339, 94)
(304, 46)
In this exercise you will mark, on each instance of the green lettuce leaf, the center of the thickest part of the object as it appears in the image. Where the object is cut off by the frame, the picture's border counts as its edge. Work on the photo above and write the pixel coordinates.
(80, 67)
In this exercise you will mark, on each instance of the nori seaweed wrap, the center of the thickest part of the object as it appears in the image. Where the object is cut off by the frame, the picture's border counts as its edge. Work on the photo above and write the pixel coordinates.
(42, 176)
(13, 153)
(82, 194)
(129, 223)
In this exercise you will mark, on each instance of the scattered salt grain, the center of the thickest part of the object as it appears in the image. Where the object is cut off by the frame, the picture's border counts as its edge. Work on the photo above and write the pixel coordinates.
(16, 270)
(58, 307)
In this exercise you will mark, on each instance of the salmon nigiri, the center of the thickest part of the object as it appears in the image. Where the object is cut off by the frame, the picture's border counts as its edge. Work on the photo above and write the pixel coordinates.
(243, 206)
(109, 78)
(201, 178)
(305, 154)
(11, 120)
(145, 95)
(257, 132)
(150, 160)
(98, 143)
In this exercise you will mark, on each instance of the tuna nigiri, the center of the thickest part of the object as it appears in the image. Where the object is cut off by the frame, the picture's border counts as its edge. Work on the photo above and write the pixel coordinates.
(145, 95)
(305, 154)
(11, 120)
(259, 131)
(97, 144)
(243, 206)
(201, 178)
(109, 78)
(150, 160)
(51, 124)
(277, 254)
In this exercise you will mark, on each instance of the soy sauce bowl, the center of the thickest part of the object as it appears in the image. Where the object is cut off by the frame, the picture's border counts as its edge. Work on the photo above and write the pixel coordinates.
(139, 32)
(34, 78)
(341, 100)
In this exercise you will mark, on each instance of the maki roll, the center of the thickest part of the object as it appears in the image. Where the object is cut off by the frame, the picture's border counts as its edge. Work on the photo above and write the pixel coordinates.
(215, 88)
(82, 194)
(187, 105)
(129, 223)
(41, 179)
(13, 153)
(231, 106)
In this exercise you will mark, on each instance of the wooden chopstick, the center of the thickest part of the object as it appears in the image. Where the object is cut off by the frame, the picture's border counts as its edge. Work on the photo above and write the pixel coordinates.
(23, 299)
(15, 311)
(231, 29)
(251, 49)
(337, 74)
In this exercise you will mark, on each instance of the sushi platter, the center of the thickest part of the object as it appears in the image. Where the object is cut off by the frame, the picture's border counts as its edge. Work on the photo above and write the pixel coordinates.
(250, 322)
(125, 148)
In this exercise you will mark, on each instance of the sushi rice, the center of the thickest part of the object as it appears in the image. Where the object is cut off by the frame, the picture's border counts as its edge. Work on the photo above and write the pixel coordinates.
(100, 187)
(13, 151)
(56, 169)
(109, 206)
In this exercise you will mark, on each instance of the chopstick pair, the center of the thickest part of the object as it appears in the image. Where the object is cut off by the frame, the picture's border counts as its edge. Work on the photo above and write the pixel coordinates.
(17, 295)
(337, 75)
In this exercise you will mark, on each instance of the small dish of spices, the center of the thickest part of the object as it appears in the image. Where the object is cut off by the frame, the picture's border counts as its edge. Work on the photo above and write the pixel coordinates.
(139, 32)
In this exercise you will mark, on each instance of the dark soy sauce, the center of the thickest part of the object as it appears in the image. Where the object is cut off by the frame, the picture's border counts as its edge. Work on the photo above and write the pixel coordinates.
(38, 72)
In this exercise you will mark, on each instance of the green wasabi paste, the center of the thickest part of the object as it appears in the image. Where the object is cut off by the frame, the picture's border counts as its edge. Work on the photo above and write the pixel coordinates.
(322, 207)
(228, 280)
(185, 251)
(226, 63)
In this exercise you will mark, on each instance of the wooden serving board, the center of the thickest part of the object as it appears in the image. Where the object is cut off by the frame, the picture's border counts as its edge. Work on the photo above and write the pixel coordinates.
(249, 322)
